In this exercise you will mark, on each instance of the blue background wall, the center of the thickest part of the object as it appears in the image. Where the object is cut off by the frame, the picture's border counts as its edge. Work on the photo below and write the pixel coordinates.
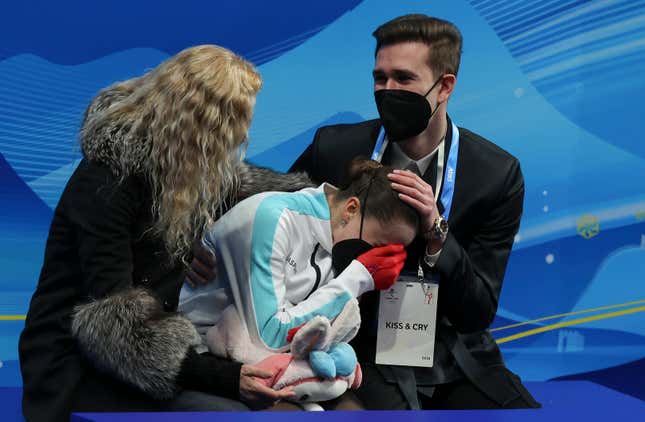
(557, 83)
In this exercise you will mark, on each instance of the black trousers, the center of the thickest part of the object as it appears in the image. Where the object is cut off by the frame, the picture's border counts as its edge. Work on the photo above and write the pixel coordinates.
(377, 394)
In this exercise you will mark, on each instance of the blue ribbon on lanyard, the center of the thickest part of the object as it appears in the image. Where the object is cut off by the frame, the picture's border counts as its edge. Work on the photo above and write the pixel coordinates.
(451, 173)
(380, 146)
(451, 166)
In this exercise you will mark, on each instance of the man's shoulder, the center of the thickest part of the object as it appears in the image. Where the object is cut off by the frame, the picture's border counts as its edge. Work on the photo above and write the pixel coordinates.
(360, 129)
(482, 160)
(479, 152)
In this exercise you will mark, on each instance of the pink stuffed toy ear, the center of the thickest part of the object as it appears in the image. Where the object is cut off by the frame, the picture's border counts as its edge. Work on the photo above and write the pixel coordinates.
(358, 377)
(277, 364)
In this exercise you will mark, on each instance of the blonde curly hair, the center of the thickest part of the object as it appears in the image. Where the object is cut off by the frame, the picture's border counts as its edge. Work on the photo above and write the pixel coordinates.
(180, 126)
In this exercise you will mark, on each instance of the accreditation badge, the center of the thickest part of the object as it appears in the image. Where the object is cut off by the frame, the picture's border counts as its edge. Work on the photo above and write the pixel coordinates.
(407, 322)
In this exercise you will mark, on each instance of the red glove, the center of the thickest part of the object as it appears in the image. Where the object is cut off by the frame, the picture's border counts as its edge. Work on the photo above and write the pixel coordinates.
(292, 332)
(384, 264)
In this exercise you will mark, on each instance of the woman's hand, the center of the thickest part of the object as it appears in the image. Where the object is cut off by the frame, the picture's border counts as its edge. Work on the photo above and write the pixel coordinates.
(257, 395)
(203, 267)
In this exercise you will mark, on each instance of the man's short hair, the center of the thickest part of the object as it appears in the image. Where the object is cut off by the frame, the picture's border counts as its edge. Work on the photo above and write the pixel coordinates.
(442, 37)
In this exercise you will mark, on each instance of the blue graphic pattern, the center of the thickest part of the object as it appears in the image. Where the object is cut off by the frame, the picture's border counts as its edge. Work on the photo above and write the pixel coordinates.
(557, 83)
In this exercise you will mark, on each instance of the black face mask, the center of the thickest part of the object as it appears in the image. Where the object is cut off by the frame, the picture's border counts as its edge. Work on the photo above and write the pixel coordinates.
(345, 251)
(404, 114)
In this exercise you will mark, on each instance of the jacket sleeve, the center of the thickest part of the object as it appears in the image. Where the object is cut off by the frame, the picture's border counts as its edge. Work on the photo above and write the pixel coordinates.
(471, 279)
(124, 331)
(274, 314)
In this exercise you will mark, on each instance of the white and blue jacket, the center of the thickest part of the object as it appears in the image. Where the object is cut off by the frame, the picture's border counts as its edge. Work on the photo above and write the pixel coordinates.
(274, 264)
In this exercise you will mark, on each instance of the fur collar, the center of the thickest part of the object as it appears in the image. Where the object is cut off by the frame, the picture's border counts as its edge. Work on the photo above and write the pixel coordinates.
(109, 143)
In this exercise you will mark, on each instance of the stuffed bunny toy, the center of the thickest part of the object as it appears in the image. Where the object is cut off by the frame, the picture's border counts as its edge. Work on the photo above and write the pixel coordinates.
(320, 364)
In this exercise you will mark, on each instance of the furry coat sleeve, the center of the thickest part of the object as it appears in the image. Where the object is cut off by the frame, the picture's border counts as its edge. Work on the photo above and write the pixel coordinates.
(255, 179)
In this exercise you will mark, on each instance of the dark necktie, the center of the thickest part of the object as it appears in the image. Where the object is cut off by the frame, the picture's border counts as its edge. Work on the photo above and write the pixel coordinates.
(413, 168)
(431, 174)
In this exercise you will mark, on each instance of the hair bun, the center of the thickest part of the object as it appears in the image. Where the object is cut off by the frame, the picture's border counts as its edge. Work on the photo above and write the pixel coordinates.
(363, 166)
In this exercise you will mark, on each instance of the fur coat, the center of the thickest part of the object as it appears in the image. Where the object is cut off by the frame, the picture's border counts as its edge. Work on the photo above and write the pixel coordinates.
(102, 332)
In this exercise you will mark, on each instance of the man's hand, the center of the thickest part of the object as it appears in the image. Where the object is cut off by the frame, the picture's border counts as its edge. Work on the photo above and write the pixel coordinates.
(415, 191)
(257, 395)
(203, 267)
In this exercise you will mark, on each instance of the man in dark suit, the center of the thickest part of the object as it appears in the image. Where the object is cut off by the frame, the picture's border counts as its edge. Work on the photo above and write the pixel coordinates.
(450, 170)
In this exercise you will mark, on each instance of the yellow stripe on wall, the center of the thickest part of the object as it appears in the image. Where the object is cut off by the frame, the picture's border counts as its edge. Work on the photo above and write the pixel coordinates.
(583, 311)
(569, 323)
(13, 317)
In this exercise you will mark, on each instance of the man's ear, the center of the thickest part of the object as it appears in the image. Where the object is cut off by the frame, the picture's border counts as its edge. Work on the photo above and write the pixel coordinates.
(351, 208)
(447, 86)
